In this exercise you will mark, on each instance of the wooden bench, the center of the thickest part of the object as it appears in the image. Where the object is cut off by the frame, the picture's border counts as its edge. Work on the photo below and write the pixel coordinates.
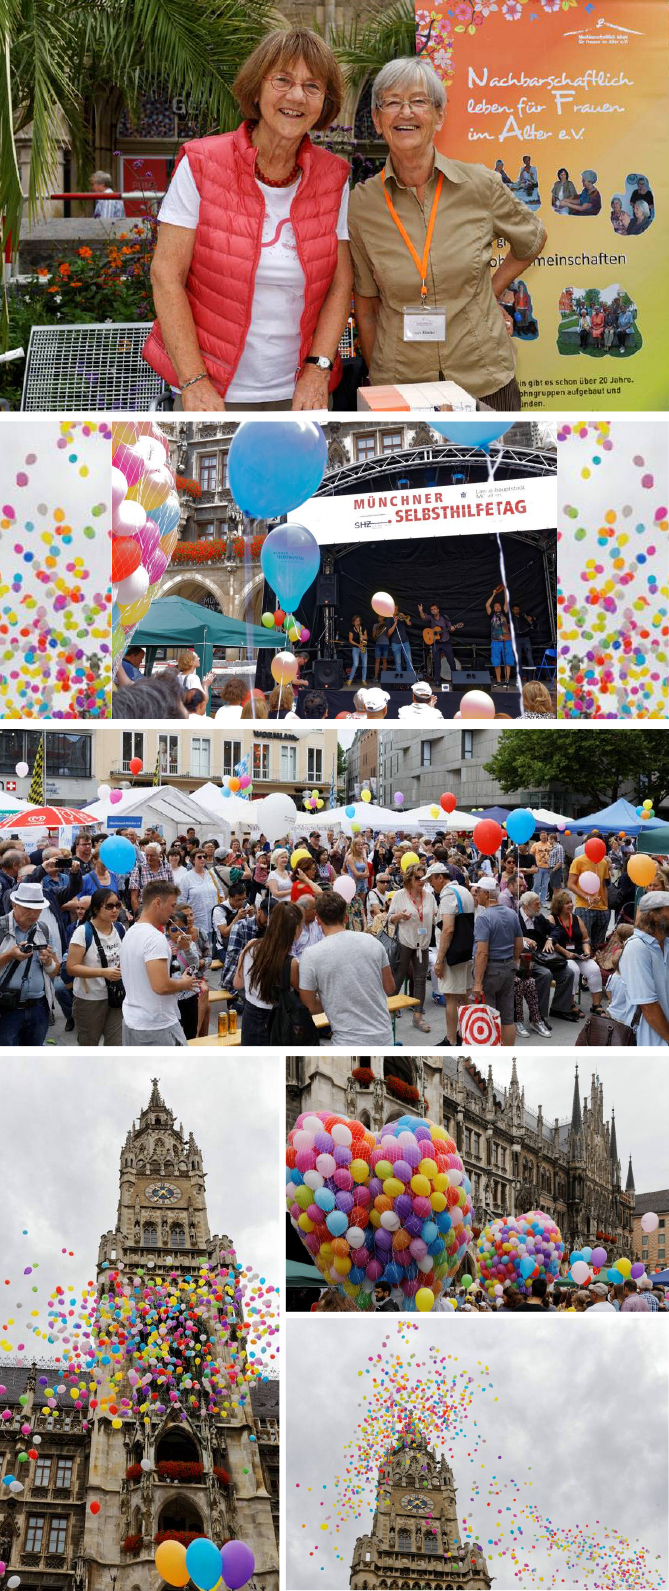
(395, 1003)
(226, 1040)
(216, 995)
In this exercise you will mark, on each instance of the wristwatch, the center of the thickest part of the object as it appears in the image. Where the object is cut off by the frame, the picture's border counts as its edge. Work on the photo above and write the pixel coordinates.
(320, 360)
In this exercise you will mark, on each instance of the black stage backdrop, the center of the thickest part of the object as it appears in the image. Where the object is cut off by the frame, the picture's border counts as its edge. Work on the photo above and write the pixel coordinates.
(458, 572)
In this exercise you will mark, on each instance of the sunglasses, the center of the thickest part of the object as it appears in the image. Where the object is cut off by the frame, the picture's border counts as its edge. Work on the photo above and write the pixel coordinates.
(112, 906)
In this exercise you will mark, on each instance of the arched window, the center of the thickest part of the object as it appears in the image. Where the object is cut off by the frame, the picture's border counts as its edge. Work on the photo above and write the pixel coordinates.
(177, 1236)
(150, 1235)
(430, 1541)
(404, 1540)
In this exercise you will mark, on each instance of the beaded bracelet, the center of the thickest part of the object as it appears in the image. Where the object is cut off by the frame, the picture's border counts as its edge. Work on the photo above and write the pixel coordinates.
(193, 380)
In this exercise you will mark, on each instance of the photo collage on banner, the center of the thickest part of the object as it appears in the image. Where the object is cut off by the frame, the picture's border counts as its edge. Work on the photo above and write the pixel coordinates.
(334, 689)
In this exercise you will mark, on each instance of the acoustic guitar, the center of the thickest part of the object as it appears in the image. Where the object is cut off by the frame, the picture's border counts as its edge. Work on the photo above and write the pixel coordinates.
(430, 636)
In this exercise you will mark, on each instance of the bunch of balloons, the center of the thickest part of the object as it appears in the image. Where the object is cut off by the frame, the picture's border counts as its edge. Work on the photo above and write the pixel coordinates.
(205, 1564)
(314, 802)
(645, 811)
(518, 1249)
(394, 1204)
(286, 621)
(240, 785)
(145, 521)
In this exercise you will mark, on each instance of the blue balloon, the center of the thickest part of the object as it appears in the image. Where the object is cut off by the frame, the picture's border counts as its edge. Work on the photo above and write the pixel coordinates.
(587, 1253)
(167, 516)
(118, 854)
(225, 791)
(324, 1198)
(350, 812)
(274, 466)
(336, 1223)
(203, 1562)
(520, 825)
(476, 433)
(290, 559)
(527, 1265)
(614, 1275)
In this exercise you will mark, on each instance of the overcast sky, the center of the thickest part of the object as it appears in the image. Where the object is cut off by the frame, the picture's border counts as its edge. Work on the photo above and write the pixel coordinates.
(64, 1122)
(641, 1112)
(582, 1402)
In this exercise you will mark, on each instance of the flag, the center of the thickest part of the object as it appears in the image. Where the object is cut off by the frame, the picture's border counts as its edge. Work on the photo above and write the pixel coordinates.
(36, 793)
(333, 796)
(156, 771)
(244, 766)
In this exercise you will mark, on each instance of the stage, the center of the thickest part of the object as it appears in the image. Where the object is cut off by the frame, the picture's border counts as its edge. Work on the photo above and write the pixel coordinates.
(448, 702)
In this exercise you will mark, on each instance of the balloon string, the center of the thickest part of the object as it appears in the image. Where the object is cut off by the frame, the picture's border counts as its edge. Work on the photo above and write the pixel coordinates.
(492, 468)
(246, 533)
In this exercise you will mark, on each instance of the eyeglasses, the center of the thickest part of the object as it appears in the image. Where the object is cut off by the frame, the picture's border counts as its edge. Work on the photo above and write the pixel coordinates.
(419, 104)
(112, 906)
(282, 84)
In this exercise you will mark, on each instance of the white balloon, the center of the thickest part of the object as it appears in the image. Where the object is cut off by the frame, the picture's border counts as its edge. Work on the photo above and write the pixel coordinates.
(311, 1124)
(356, 1237)
(275, 816)
(425, 1264)
(128, 518)
(119, 486)
(146, 1465)
(342, 1134)
(13, 1582)
(135, 586)
(104, 792)
(22, 770)
(390, 1220)
(313, 1180)
(650, 1221)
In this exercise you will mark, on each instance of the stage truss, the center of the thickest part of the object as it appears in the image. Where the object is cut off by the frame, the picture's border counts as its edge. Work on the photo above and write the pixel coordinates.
(516, 462)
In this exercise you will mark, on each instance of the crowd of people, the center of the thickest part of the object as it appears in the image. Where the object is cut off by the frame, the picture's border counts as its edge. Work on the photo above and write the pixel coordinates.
(642, 1297)
(328, 926)
(602, 325)
(179, 692)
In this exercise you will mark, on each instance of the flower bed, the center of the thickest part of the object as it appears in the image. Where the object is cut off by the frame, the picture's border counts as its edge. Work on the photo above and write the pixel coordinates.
(185, 483)
(221, 1475)
(242, 546)
(363, 1075)
(131, 1544)
(402, 1090)
(179, 1470)
(200, 552)
(184, 1536)
(134, 1472)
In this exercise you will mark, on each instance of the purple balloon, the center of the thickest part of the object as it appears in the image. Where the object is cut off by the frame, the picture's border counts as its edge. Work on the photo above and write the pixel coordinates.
(403, 1205)
(637, 1271)
(156, 565)
(402, 1170)
(345, 1202)
(342, 1155)
(237, 1564)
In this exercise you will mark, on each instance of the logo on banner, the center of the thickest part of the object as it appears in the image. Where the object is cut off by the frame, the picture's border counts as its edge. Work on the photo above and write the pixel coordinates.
(604, 33)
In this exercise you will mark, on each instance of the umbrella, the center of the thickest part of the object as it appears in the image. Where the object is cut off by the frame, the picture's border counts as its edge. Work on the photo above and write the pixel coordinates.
(49, 818)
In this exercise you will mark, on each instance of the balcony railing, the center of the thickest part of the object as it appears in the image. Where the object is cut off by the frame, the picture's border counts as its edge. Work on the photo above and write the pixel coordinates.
(206, 552)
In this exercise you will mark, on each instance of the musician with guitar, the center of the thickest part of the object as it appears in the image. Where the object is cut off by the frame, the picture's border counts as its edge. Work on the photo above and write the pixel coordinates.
(437, 636)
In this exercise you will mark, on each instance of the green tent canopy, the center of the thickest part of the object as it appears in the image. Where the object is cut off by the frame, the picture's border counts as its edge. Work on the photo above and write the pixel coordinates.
(654, 842)
(298, 1275)
(172, 621)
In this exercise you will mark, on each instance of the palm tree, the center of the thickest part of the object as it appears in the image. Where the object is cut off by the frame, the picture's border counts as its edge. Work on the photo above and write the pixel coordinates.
(365, 45)
(76, 63)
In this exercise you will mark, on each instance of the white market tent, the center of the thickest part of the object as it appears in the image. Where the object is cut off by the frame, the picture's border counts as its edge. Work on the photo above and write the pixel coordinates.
(366, 814)
(421, 817)
(232, 809)
(10, 803)
(162, 807)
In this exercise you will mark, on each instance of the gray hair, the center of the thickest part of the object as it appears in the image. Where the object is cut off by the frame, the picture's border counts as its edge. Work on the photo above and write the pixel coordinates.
(590, 175)
(408, 69)
(643, 206)
(102, 176)
(530, 895)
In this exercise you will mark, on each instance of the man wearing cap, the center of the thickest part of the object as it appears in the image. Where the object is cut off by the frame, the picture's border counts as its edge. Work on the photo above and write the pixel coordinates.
(376, 702)
(423, 705)
(28, 967)
(639, 988)
(453, 982)
(498, 942)
(599, 1294)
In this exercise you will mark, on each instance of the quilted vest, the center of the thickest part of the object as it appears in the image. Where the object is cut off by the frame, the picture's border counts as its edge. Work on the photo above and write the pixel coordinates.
(228, 240)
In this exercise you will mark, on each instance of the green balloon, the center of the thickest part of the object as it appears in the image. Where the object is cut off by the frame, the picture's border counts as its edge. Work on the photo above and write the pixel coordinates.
(466, 1281)
(268, 620)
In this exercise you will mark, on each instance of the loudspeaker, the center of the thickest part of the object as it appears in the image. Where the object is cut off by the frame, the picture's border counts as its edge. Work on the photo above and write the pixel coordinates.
(406, 677)
(327, 590)
(461, 678)
(329, 673)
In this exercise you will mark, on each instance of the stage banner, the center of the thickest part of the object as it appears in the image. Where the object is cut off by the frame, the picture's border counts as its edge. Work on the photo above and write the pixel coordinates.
(529, 504)
(569, 101)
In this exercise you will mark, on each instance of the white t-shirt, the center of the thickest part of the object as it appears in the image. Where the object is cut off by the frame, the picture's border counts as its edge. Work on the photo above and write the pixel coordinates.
(142, 1007)
(422, 710)
(266, 370)
(179, 874)
(251, 993)
(96, 988)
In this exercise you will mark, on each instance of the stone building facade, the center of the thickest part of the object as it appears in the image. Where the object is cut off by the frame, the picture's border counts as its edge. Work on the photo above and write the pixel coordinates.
(415, 1540)
(516, 1160)
(49, 1536)
(651, 1247)
(425, 760)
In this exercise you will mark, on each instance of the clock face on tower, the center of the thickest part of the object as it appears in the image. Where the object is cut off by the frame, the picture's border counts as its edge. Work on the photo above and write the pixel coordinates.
(163, 1193)
(416, 1505)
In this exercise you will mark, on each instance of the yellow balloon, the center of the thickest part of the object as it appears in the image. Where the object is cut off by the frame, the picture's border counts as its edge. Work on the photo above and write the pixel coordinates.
(134, 611)
(153, 489)
(365, 795)
(409, 860)
(424, 1300)
(320, 804)
(124, 431)
(117, 1425)
(300, 856)
(168, 543)
(435, 812)
(624, 1266)
(170, 1561)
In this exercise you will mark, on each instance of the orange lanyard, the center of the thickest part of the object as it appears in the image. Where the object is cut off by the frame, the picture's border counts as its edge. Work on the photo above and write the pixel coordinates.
(421, 265)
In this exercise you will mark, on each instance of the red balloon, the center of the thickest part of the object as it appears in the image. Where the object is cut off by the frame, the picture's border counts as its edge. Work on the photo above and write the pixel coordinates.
(136, 764)
(126, 556)
(279, 616)
(595, 850)
(447, 802)
(94, 1507)
(487, 836)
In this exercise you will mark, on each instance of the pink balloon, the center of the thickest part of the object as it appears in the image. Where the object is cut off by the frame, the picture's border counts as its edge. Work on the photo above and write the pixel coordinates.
(156, 565)
(345, 887)
(383, 604)
(245, 781)
(477, 704)
(115, 796)
(148, 538)
(589, 883)
(129, 462)
(304, 634)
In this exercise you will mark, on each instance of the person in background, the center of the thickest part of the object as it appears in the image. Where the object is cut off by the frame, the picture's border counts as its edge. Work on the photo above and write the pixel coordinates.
(413, 911)
(348, 976)
(201, 893)
(498, 943)
(570, 939)
(106, 209)
(150, 868)
(639, 989)
(633, 1301)
(29, 964)
(262, 969)
(133, 664)
(151, 1006)
(592, 910)
(589, 201)
(94, 962)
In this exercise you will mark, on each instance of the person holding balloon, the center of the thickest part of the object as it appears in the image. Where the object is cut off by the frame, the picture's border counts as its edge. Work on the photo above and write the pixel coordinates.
(252, 275)
(640, 988)
(587, 881)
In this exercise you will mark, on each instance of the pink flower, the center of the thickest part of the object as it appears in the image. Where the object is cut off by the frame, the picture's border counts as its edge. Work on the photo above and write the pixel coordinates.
(551, 5)
(511, 10)
(463, 12)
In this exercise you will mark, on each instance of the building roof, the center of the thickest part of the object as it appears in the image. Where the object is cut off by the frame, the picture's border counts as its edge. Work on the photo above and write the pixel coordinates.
(15, 1378)
(655, 1202)
(450, 1070)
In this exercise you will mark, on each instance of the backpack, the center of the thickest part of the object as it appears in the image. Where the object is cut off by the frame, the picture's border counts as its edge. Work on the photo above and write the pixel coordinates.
(290, 1022)
(115, 991)
(462, 943)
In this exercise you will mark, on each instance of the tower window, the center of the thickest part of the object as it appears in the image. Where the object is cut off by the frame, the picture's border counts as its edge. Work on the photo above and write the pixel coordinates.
(64, 1472)
(150, 1235)
(404, 1540)
(430, 1541)
(177, 1237)
(57, 1535)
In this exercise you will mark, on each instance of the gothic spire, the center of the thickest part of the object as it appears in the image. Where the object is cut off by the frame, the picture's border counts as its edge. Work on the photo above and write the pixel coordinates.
(156, 1102)
(629, 1185)
(576, 1119)
(613, 1147)
(514, 1074)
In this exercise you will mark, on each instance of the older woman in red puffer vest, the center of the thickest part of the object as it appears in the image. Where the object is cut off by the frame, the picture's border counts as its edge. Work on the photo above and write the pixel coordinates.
(252, 275)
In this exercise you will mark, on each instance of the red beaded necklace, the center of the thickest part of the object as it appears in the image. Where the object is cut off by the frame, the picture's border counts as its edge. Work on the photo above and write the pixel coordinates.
(281, 182)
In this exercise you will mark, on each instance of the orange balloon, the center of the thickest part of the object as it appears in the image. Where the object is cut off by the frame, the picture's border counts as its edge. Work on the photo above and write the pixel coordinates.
(641, 870)
(234, 784)
(170, 1562)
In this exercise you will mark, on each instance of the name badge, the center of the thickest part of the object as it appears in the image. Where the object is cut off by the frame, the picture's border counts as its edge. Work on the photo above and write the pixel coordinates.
(424, 325)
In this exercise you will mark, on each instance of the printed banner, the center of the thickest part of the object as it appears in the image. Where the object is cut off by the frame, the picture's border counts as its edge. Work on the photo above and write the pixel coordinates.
(529, 504)
(568, 100)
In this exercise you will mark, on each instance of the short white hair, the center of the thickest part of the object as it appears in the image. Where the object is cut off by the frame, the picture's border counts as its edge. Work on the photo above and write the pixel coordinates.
(408, 70)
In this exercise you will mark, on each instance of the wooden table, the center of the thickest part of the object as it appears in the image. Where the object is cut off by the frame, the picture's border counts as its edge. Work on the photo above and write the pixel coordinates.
(216, 995)
(226, 1040)
(395, 1003)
